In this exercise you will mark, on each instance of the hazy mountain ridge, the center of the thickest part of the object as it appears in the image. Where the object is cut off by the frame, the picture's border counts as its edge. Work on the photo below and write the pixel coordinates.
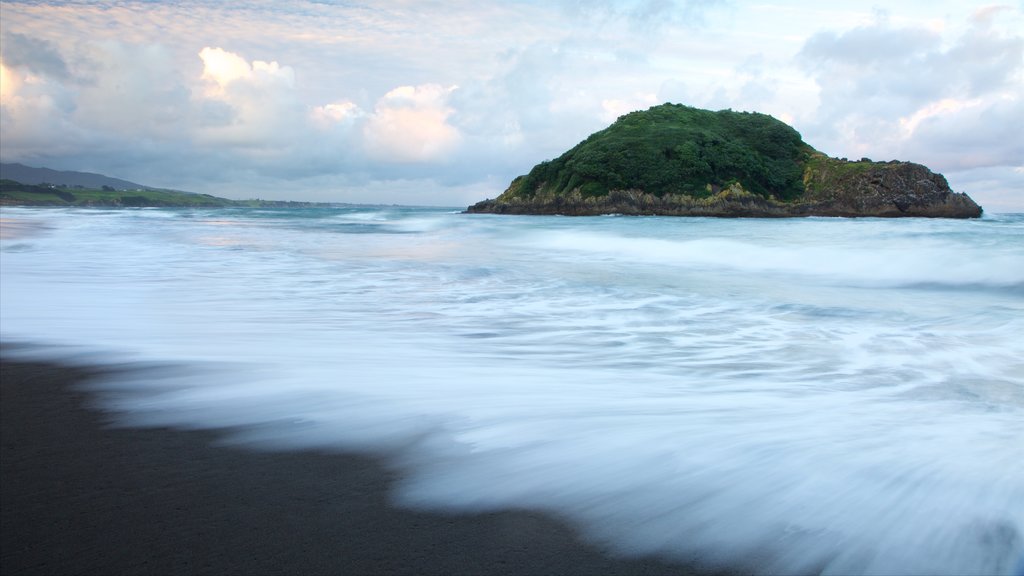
(31, 175)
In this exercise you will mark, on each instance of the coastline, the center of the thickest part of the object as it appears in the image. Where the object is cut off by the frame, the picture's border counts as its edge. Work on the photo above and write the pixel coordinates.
(80, 497)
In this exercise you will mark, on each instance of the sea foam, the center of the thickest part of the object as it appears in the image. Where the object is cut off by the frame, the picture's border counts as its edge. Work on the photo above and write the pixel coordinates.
(844, 396)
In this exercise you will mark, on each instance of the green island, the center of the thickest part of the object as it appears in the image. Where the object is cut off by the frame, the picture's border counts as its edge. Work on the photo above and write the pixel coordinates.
(18, 194)
(682, 161)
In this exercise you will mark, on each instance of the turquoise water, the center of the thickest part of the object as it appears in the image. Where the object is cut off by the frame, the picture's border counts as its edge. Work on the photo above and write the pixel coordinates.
(784, 395)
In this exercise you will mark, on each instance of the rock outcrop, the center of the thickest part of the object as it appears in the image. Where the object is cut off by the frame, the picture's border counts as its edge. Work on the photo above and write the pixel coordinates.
(839, 188)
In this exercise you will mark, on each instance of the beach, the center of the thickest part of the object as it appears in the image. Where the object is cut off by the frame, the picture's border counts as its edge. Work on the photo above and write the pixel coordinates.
(523, 395)
(82, 497)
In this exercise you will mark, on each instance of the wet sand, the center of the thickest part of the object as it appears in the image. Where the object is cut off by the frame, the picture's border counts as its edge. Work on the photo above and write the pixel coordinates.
(81, 497)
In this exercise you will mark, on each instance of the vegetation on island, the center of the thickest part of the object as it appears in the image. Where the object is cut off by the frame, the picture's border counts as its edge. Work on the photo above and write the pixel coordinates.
(678, 160)
(677, 149)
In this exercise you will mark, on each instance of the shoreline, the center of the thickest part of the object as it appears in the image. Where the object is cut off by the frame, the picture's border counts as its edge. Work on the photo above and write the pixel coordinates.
(80, 497)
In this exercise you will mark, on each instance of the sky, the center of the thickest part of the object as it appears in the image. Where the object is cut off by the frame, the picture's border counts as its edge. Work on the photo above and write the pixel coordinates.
(444, 102)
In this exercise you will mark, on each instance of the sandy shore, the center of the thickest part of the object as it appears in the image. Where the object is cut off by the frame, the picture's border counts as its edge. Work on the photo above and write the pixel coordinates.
(79, 497)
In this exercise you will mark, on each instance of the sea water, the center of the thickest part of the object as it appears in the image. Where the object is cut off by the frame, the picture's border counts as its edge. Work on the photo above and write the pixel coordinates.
(793, 395)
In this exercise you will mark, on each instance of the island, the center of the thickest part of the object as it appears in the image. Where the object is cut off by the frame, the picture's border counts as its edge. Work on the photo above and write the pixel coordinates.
(676, 160)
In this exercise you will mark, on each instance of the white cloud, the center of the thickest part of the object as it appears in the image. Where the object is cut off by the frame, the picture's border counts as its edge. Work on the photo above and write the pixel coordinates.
(330, 115)
(222, 68)
(410, 124)
(252, 106)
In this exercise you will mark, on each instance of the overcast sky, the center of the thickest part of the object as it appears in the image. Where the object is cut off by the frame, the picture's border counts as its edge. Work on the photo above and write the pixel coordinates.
(444, 102)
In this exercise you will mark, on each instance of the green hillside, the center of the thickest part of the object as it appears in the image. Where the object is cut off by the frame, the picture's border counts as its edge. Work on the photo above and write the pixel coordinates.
(676, 149)
(16, 193)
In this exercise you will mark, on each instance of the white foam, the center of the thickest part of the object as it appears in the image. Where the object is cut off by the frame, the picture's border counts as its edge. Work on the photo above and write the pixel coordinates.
(891, 264)
(672, 386)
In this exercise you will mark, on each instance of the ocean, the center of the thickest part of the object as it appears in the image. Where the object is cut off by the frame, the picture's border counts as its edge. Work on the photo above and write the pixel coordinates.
(782, 396)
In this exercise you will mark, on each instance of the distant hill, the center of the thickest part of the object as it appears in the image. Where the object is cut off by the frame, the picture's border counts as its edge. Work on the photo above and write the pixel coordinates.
(29, 175)
(681, 161)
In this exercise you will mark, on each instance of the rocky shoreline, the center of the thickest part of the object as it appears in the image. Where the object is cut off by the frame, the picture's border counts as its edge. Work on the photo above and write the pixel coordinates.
(895, 189)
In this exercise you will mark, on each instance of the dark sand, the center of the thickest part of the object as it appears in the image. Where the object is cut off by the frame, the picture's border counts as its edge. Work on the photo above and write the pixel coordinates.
(80, 497)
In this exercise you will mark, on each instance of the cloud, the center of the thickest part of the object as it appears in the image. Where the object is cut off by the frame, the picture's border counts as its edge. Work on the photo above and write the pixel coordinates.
(876, 44)
(251, 106)
(222, 69)
(410, 124)
(874, 70)
(107, 98)
(967, 134)
(997, 189)
(335, 113)
(643, 16)
(985, 15)
(358, 93)
(232, 117)
(615, 107)
(34, 106)
(115, 103)
(311, 100)
(909, 93)
(35, 55)
(129, 91)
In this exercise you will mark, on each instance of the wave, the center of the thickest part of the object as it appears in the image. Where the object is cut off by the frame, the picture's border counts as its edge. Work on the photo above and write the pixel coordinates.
(768, 396)
(927, 265)
(865, 482)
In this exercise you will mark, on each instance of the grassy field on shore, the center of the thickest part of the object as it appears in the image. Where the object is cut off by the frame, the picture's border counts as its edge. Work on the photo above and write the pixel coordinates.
(18, 194)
